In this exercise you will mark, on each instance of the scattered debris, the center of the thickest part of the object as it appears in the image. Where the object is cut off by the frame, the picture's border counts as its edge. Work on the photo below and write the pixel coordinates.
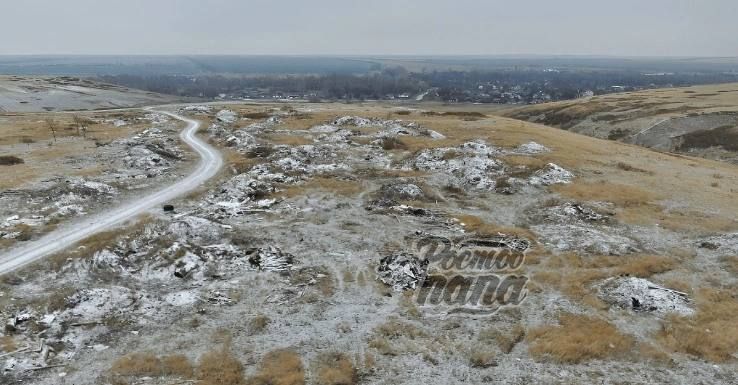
(641, 295)
(270, 259)
(401, 271)
(551, 174)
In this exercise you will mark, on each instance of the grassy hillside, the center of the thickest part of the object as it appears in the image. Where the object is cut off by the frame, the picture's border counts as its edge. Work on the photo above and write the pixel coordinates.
(700, 120)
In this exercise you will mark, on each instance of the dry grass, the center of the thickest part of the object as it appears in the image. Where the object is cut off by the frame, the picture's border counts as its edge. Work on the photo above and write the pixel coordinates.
(711, 334)
(578, 338)
(628, 167)
(177, 365)
(573, 275)
(138, 364)
(730, 263)
(480, 357)
(289, 140)
(259, 323)
(477, 225)
(7, 344)
(621, 195)
(334, 185)
(280, 367)
(220, 367)
(506, 341)
(336, 369)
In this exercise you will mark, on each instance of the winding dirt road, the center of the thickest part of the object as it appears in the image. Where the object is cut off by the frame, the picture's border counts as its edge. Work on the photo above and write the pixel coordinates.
(210, 163)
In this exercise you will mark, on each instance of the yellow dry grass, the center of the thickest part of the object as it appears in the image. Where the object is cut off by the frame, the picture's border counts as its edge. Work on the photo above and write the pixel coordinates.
(333, 185)
(710, 334)
(573, 275)
(578, 338)
(478, 225)
(220, 367)
(28, 136)
(289, 140)
(280, 367)
(336, 369)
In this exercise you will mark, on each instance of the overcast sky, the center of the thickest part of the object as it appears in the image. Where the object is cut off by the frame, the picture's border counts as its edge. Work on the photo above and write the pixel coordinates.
(487, 27)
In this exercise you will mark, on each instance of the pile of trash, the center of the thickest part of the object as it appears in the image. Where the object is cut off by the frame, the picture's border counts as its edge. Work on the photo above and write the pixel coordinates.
(551, 174)
(402, 191)
(270, 258)
(200, 109)
(226, 116)
(641, 295)
(402, 271)
(584, 238)
(725, 244)
(530, 148)
(469, 165)
(570, 212)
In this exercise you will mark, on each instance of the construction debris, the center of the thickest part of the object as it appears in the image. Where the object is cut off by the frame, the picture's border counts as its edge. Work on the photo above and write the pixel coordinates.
(402, 271)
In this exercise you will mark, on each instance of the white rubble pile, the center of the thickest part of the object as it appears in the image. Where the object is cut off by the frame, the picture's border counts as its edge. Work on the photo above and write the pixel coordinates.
(407, 191)
(356, 121)
(641, 295)
(226, 116)
(203, 109)
(270, 259)
(196, 230)
(389, 128)
(724, 244)
(471, 167)
(551, 174)
(570, 212)
(308, 159)
(156, 118)
(530, 148)
(582, 237)
(402, 271)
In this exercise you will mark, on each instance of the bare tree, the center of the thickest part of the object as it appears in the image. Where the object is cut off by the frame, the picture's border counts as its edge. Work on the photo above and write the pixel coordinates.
(51, 124)
(81, 125)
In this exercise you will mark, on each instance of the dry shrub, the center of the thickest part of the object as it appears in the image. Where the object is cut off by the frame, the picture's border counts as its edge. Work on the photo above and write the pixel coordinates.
(505, 341)
(9, 160)
(477, 225)
(395, 328)
(177, 365)
(482, 358)
(621, 195)
(258, 323)
(730, 263)
(391, 143)
(711, 333)
(627, 167)
(7, 344)
(280, 367)
(219, 367)
(138, 364)
(336, 369)
(578, 338)
(256, 115)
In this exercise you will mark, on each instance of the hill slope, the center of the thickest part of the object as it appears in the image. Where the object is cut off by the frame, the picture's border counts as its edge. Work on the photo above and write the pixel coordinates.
(700, 120)
(36, 94)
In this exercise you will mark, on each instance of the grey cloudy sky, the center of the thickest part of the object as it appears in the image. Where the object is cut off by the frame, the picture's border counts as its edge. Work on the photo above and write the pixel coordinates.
(348, 27)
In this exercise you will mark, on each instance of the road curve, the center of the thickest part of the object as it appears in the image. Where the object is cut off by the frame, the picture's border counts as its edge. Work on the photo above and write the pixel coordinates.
(210, 163)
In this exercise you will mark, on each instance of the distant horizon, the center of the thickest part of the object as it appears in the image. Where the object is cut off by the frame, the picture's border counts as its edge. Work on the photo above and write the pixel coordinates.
(379, 55)
(627, 28)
